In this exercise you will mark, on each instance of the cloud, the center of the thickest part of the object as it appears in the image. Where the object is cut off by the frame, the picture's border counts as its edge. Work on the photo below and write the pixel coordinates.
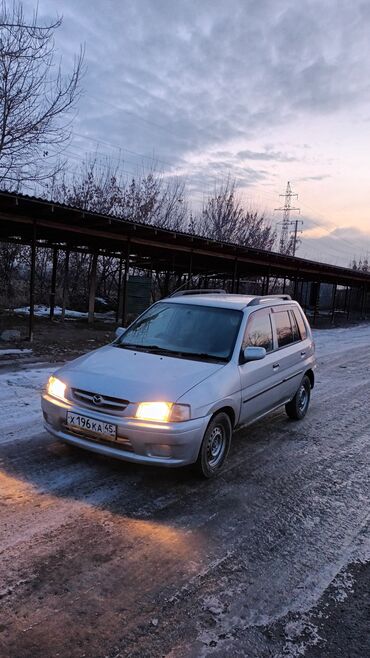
(318, 177)
(338, 246)
(265, 155)
(184, 77)
(200, 88)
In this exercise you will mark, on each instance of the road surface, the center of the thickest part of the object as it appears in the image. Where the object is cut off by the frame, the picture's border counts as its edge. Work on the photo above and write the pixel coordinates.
(105, 559)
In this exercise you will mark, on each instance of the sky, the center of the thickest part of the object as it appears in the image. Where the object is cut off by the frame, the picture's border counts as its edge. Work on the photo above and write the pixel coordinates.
(263, 91)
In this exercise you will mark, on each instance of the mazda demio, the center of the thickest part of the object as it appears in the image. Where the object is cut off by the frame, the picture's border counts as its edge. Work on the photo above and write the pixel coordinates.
(173, 386)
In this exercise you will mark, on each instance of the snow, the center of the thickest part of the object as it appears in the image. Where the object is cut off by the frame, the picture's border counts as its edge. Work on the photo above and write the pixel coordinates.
(338, 340)
(20, 390)
(43, 311)
(20, 402)
(295, 513)
(14, 351)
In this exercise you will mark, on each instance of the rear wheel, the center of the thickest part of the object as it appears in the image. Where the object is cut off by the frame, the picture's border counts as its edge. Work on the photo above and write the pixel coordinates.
(297, 408)
(215, 446)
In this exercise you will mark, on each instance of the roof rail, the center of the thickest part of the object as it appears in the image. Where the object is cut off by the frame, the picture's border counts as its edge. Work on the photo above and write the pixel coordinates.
(199, 291)
(260, 300)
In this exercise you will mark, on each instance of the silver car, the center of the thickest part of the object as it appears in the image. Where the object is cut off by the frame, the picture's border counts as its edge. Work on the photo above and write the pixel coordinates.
(172, 387)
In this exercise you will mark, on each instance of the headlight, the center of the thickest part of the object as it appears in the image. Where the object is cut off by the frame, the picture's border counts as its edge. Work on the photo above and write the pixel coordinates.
(56, 388)
(163, 411)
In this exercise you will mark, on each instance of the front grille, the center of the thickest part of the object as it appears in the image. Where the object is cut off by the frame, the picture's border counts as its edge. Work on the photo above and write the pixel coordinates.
(101, 403)
(121, 442)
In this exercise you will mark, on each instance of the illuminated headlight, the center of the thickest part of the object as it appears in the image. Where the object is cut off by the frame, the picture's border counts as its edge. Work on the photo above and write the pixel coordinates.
(163, 411)
(56, 388)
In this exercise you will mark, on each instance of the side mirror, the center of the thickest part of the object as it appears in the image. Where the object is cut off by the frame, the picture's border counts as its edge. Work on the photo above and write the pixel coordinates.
(119, 331)
(253, 354)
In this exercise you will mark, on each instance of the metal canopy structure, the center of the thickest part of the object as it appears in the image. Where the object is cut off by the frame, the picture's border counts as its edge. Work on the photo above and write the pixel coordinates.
(39, 223)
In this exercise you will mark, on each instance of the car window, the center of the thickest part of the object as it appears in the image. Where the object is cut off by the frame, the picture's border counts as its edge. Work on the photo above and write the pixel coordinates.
(296, 334)
(259, 331)
(185, 329)
(301, 325)
(283, 328)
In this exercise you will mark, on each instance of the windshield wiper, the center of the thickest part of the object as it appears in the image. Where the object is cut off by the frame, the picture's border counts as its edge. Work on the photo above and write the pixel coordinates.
(156, 349)
(128, 346)
(142, 348)
(202, 356)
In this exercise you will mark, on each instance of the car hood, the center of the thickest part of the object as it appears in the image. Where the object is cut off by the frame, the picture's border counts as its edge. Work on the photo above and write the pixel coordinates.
(135, 376)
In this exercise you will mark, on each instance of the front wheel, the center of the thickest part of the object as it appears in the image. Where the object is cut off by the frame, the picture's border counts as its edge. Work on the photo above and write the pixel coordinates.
(297, 408)
(215, 446)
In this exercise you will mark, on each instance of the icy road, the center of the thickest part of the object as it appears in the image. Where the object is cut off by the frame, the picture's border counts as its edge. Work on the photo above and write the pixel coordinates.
(105, 559)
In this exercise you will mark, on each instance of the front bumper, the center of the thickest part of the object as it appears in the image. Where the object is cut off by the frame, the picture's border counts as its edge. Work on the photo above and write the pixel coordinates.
(165, 444)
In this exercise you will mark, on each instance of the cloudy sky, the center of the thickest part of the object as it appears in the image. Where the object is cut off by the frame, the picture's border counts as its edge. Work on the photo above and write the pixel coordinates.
(264, 90)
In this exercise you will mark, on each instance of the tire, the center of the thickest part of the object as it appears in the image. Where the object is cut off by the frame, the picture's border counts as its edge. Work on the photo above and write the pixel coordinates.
(215, 446)
(297, 408)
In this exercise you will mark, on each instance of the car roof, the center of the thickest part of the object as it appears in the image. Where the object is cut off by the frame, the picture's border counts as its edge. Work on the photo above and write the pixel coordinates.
(238, 302)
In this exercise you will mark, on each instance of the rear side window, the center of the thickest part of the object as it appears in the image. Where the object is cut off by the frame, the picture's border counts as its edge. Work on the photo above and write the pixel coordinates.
(259, 331)
(296, 333)
(284, 330)
(301, 325)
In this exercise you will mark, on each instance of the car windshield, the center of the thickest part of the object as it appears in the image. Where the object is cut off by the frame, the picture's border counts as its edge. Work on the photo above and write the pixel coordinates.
(185, 330)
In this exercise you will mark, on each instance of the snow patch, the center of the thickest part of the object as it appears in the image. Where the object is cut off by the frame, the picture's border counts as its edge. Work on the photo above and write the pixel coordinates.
(42, 311)
(300, 635)
(14, 351)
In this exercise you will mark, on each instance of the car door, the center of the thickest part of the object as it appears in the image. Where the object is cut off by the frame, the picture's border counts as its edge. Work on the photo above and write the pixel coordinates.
(288, 360)
(259, 379)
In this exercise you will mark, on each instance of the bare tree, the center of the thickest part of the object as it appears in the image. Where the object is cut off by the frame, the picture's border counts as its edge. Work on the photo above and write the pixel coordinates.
(360, 265)
(35, 99)
(224, 218)
(94, 186)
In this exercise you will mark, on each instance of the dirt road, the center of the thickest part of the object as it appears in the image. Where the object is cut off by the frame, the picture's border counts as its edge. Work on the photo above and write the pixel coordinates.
(104, 559)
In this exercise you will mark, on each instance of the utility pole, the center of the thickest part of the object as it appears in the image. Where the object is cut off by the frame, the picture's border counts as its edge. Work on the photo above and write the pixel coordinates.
(296, 240)
(286, 224)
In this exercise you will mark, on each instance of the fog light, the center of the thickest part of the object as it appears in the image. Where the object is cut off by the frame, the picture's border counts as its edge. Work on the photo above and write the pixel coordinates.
(159, 450)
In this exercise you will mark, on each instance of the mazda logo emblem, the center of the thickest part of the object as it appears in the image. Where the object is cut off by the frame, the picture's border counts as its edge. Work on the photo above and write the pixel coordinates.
(97, 399)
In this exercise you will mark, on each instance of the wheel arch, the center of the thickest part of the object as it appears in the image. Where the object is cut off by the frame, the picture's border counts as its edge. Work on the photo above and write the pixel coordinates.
(310, 374)
(229, 411)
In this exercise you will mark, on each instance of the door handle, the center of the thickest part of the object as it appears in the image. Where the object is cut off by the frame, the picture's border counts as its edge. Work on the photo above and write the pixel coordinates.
(276, 366)
(303, 353)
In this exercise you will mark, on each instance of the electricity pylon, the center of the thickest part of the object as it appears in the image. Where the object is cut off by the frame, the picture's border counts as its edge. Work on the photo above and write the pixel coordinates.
(288, 243)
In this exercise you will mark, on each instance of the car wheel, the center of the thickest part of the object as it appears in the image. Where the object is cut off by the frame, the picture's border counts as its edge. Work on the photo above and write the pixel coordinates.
(215, 446)
(297, 408)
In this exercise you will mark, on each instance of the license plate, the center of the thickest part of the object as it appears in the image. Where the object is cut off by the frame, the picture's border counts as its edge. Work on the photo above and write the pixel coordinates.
(91, 426)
